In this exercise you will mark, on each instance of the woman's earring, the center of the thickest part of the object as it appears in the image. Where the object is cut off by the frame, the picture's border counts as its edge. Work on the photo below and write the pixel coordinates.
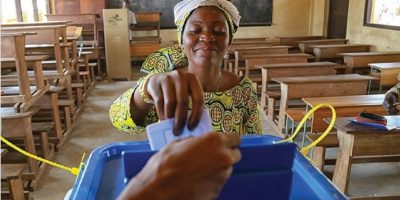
(226, 56)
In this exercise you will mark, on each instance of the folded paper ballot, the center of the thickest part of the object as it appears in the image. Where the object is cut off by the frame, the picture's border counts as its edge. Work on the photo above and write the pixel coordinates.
(160, 133)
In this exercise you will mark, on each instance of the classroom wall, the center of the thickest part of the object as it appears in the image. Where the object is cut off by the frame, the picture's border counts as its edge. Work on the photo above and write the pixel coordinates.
(319, 17)
(289, 18)
(382, 39)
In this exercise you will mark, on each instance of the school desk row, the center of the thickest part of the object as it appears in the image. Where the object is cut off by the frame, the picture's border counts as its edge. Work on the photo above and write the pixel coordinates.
(45, 79)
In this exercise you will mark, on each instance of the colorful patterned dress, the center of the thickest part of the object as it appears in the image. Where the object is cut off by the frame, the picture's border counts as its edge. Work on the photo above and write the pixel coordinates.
(233, 110)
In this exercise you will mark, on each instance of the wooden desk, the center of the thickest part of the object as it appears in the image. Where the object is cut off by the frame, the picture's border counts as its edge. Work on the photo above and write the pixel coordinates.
(332, 51)
(247, 44)
(270, 71)
(292, 40)
(86, 20)
(357, 141)
(240, 45)
(345, 106)
(143, 46)
(305, 45)
(388, 73)
(252, 60)
(258, 39)
(13, 49)
(18, 125)
(240, 52)
(319, 86)
(362, 60)
(47, 35)
(48, 23)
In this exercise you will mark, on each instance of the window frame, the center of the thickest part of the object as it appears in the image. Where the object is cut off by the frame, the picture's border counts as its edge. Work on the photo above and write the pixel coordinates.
(367, 17)
(18, 8)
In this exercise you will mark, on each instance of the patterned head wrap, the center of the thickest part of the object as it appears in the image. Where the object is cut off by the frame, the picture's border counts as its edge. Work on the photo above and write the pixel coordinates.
(183, 9)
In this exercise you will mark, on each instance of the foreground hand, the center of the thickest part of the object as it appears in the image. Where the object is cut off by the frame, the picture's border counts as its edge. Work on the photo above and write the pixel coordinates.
(194, 168)
(171, 93)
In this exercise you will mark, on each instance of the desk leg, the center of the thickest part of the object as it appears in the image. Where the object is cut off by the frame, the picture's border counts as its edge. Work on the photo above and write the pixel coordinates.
(304, 130)
(37, 68)
(342, 171)
(282, 107)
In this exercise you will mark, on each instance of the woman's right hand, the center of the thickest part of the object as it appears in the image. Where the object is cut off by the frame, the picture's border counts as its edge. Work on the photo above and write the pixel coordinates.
(172, 92)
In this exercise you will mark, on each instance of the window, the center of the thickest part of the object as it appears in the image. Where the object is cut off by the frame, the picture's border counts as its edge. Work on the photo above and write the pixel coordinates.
(382, 14)
(11, 15)
(13, 11)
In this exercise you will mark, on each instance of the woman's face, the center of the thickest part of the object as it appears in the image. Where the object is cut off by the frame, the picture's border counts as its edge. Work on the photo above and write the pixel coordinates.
(206, 37)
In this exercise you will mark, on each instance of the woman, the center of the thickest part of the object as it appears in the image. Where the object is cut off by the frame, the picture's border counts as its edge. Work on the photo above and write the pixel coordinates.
(172, 87)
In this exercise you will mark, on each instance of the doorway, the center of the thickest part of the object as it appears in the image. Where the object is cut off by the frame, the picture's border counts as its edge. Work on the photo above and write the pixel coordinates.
(337, 24)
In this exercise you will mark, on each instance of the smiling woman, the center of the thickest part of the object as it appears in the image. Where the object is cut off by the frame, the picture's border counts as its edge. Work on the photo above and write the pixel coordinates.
(189, 77)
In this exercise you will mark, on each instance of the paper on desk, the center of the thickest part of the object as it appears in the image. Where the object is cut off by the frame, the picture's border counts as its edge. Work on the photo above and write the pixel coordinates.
(374, 125)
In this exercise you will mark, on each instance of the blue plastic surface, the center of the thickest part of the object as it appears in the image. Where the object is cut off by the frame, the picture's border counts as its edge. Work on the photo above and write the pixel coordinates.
(266, 171)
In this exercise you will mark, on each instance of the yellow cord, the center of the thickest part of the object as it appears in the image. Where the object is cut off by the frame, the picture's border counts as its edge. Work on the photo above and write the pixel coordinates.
(73, 170)
(305, 150)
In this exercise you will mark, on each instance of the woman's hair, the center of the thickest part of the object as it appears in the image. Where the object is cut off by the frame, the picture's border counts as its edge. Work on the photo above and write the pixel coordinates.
(185, 8)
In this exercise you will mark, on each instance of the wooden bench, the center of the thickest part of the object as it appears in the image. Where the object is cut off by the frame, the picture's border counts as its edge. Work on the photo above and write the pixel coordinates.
(11, 173)
(331, 52)
(43, 130)
(270, 71)
(362, 60)
(318, 86)
(304, 46)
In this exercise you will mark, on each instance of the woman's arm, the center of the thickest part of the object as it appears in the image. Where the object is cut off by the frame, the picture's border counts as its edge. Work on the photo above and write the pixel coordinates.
(253, 121)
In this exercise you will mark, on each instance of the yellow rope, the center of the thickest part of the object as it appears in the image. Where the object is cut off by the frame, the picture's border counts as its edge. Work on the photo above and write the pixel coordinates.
(305, 150)
(72, 170)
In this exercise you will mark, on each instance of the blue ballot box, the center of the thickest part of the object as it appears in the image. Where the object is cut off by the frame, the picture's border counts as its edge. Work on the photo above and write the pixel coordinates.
(266, 171)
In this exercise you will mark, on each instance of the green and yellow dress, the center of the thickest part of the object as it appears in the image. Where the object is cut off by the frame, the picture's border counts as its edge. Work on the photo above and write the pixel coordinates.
(233, 110)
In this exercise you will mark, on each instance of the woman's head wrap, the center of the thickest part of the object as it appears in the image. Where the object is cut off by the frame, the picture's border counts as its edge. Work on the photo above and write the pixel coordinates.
(183, 9)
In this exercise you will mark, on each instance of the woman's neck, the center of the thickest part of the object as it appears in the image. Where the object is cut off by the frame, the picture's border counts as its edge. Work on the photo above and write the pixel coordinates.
(209, 77)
